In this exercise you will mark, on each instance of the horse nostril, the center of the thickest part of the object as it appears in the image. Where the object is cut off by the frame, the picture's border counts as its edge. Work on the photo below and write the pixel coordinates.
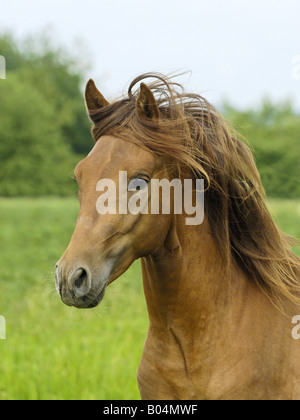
(80, 282)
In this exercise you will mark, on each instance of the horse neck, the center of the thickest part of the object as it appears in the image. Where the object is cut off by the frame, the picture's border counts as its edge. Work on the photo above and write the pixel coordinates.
(187, 283)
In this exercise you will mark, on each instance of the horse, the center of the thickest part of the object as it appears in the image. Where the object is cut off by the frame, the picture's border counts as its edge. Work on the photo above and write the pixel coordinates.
(220, 294)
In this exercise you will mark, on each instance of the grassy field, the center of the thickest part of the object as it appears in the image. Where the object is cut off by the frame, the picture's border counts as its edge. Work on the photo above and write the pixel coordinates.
(56, 352)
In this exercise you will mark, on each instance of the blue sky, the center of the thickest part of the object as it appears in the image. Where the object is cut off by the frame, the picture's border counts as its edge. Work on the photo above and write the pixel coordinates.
(240, 50)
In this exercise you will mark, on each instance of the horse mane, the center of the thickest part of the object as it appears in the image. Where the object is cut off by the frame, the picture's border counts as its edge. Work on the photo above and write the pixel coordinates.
(194, 134)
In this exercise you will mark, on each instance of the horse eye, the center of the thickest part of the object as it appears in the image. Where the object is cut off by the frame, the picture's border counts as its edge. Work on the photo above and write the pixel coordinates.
(137, 184)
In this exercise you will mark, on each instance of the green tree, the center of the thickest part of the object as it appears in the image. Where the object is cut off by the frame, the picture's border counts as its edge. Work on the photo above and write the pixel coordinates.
(273, 132)
(35, 159)
(44, 129)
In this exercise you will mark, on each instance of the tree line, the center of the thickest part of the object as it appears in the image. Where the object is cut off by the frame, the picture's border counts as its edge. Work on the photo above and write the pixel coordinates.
(44, 129)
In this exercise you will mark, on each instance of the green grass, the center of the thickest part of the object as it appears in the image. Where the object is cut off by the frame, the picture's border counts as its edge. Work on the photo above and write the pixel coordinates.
(53, 351)
(286, 213)
(56, 352)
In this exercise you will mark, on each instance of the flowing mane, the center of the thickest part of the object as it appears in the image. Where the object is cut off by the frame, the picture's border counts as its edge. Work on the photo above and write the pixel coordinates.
(193, 133)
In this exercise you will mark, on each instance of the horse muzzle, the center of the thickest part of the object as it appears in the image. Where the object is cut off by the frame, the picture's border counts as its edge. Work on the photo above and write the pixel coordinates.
(76, 288)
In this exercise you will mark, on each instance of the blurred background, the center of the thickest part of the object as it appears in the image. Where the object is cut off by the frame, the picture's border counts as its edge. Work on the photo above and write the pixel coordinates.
(244, 57)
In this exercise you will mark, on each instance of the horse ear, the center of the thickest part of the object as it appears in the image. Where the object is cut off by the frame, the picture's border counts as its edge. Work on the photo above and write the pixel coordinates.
(93, 98)
(145, 104)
